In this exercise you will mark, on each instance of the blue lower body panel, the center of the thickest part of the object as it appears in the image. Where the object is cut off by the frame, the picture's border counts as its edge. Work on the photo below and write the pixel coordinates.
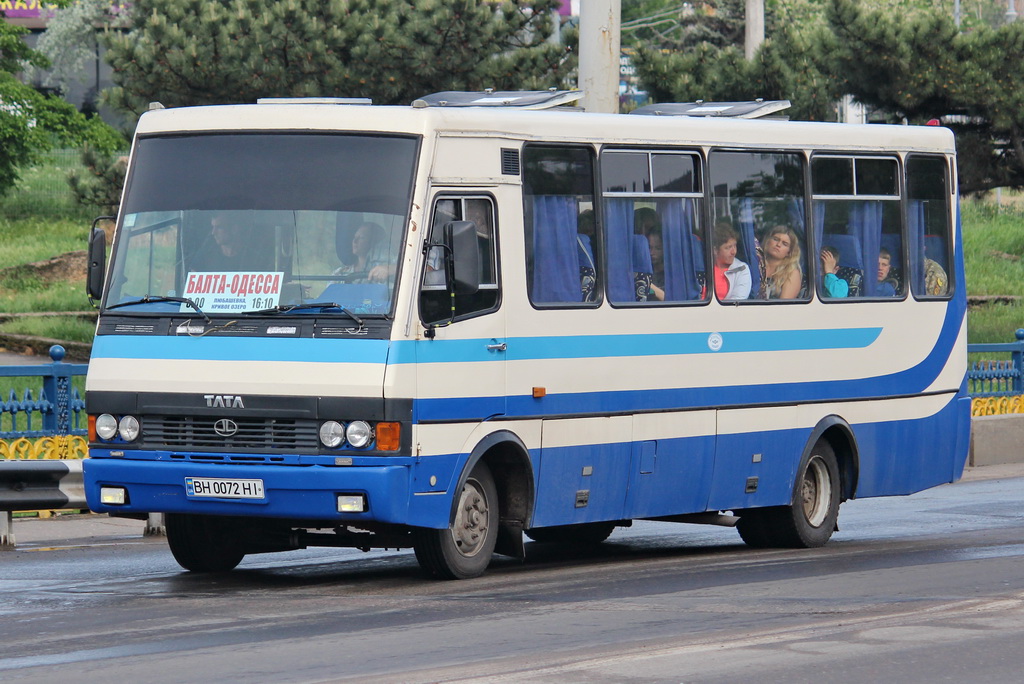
(305, 492)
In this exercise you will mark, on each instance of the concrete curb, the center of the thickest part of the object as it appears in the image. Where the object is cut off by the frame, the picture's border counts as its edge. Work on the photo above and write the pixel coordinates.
(997, 440)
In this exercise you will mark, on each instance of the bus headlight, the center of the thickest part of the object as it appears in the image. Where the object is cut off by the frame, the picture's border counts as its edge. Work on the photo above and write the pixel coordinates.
(106, 426)
(358, 433)
(128, 428)
(332, 434)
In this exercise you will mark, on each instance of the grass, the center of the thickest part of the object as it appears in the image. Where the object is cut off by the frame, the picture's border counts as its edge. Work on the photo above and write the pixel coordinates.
(994, 265)
(68, 328)
(43, 191)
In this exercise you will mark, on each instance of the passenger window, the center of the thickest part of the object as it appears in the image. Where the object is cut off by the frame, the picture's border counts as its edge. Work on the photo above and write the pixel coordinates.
(857, 226)
(928, 226)
(436, 305)
(758, 226)
(652, 204)
(562, 250)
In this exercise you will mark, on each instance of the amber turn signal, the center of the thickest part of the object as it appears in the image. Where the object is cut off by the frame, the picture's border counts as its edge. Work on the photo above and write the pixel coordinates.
(388, 436)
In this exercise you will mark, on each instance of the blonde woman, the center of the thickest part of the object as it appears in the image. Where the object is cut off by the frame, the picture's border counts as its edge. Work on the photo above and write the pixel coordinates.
(780, 264)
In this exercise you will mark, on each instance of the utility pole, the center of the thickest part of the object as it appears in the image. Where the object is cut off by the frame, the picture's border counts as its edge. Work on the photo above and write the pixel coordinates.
(599, 55)
(754, 21)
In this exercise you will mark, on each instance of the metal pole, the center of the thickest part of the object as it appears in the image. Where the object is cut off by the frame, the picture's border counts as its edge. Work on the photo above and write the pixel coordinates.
(1011, 11)
(754, 35)
(599, 55)
(956, 12)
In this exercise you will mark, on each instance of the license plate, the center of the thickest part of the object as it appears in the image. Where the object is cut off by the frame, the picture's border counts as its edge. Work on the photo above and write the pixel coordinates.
(223, 488)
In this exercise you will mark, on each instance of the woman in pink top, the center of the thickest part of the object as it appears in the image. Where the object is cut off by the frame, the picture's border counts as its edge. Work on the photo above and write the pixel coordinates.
(731, 276)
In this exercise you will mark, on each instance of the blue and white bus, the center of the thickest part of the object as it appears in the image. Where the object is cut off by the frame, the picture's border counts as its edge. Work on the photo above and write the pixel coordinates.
(447, 325)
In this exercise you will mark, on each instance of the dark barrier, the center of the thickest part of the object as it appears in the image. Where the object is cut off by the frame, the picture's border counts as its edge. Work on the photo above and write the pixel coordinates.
(31, 485)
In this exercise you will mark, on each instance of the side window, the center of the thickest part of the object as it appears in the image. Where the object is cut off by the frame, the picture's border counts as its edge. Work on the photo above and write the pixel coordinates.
(150, 255)
(857, 226)
(654, 244)
(758, 241)
(436, 305)
(562, 250)
(928, 226)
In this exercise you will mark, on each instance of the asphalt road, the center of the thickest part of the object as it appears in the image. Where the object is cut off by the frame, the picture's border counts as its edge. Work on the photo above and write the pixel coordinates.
(927, 588)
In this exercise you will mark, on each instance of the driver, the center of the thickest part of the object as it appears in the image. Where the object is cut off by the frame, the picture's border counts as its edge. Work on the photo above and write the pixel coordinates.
(369, 262)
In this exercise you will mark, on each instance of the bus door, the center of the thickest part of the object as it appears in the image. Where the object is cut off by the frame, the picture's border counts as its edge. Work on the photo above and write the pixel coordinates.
(461, 368)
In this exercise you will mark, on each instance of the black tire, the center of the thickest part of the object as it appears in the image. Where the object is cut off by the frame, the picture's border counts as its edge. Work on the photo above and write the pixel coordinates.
(810, 520)
(583, 534)
(202, 543)
(464, 549)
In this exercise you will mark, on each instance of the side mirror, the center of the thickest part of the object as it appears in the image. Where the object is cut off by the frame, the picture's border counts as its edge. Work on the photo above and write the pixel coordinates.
(97, 259)
(461, 239)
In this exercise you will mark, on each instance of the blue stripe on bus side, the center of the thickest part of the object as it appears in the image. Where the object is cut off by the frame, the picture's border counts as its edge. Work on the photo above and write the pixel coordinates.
(606, 346)
(463, 351)
(183, 347)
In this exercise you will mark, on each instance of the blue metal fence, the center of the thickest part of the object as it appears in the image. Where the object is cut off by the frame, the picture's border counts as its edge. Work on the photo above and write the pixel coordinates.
(60, 405)
(998, 378)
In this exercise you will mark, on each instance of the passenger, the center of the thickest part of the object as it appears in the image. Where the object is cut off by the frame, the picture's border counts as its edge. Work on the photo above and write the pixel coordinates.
(834, 286)
(781, 277)
(731, 276)
(887, 286)
(646, 223)
(229, 247)
(936, 282)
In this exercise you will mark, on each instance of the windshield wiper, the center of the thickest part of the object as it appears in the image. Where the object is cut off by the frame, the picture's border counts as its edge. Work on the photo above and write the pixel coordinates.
(148, 299)
(288, 308)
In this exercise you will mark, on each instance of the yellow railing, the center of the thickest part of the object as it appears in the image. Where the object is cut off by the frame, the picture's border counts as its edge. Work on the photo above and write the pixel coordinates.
(996, 406)
(64, 446)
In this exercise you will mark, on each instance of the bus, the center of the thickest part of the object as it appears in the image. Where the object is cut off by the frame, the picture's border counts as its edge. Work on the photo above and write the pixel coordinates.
(448, 325)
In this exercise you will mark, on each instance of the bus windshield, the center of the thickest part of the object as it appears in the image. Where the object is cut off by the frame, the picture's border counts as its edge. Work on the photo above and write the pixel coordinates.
(253, 222)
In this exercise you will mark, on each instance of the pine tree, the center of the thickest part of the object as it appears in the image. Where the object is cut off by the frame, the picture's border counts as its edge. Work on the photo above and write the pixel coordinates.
(187, 52)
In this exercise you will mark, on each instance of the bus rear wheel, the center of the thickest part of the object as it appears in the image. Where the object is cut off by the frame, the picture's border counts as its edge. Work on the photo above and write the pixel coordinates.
(202, 543)
(464, 549)
(811, 518)
(583, 534)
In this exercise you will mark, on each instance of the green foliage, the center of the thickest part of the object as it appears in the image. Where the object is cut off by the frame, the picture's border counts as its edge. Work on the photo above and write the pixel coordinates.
(188, 52)
(15, 55)
(31, 123)
(100, 184)
(71, 40)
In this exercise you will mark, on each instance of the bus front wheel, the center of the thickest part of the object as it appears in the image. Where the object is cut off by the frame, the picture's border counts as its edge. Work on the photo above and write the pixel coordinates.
(464, 549)
(202, 543)
(810, 520)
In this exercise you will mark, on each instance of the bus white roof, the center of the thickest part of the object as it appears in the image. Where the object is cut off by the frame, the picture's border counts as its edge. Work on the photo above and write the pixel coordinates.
(549, 125)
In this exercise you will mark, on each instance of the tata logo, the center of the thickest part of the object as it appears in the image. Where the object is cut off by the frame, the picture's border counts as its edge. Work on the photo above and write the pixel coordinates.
(223, 401)
(225, 427)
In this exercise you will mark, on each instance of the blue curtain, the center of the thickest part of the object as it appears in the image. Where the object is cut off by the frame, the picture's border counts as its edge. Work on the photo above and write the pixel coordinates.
(556, 264)
(796, 217)
(619, 249)
(748, 239)
(916, 223)
(865, 223)
(679, 249)
(818, 207)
